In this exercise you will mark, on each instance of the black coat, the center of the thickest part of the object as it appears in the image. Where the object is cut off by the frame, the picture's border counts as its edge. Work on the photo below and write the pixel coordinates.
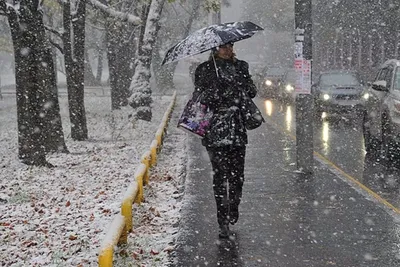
(223, 95)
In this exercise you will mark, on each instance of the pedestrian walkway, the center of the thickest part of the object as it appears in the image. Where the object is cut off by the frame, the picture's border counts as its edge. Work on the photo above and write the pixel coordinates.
(286, 219)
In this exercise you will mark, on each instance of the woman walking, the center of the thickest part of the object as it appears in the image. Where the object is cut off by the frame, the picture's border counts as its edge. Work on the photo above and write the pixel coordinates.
(222, 81)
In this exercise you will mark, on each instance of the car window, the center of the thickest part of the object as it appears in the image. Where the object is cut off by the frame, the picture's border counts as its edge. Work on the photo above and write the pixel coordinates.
(396, 85)
(377, 75)
(388, 77)
(338, 79)
(382, 75)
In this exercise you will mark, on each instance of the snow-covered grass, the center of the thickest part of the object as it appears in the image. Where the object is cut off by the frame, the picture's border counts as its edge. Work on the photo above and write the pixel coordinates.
(59, 216)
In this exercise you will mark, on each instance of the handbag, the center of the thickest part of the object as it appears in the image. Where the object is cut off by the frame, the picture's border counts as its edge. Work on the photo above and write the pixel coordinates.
(251, 114)
(195, 117)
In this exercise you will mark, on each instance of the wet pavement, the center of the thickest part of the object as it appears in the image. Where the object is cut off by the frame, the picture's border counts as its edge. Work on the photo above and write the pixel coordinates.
(338, 140)
(287, 219)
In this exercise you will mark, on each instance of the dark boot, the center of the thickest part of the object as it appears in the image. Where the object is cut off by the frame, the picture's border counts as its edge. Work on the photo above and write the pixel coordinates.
(224, 231)
(233, 214)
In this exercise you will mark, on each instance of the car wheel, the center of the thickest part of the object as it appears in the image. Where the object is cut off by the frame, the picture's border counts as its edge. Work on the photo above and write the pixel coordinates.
(389, 145)
(372, 144)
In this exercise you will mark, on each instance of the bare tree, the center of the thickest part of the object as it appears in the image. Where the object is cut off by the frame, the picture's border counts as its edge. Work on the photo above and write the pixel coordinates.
(74, 53)
(121, 50)
(140, 98)
(121, 28)
(37, 103)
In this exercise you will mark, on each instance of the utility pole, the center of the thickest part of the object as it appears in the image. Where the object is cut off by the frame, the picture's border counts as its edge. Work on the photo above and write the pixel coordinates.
(304, 99)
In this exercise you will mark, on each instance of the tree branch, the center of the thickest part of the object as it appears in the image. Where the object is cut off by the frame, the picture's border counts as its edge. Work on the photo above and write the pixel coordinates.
(57, 33)
(3, 7)
(57, 46)
(115, 14)
(7, 8)
(95, 26)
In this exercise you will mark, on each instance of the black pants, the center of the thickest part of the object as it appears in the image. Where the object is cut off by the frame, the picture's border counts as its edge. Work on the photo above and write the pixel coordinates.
(228, 167)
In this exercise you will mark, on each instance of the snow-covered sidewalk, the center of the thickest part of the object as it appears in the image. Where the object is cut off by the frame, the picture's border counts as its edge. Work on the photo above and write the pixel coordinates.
(58, 217)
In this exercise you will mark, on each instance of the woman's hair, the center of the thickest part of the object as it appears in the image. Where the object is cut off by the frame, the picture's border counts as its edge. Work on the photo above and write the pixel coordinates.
(214, 52)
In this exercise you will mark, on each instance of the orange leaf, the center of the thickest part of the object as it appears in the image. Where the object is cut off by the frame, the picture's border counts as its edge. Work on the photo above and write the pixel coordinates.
(154, 252)
(135, 255)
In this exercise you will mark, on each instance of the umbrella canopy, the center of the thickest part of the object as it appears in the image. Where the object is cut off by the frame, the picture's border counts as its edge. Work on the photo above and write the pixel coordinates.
(210, 37)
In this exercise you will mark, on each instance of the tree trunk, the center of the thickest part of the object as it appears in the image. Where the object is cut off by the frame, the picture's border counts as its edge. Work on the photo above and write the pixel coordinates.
(100, 55)
(74, 49)
(29, 89)
(53, 135)
(140, 98)
(54, 139)
(90, 80)
(120, 53)
(54, 51)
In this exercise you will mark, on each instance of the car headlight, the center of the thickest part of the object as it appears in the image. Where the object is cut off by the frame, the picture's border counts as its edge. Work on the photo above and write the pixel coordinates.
(289, 88)
(268, 82)
(366, 96)
(326, 97)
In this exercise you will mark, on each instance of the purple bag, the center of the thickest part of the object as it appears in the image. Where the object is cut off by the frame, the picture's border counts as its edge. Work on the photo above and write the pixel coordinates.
(195, 117)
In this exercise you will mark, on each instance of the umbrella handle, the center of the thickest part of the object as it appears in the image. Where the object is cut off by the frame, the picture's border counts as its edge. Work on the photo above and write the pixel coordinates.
(215, 65)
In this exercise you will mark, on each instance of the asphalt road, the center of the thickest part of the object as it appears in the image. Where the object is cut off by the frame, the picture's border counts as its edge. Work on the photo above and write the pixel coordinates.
(332, 218)
(338, 141)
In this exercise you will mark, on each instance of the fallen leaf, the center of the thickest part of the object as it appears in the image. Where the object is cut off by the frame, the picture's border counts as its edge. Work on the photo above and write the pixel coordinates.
(169, 249)
(135, 255)
(106, 211)
(29, 243)
(72, 237)
(123, 253)
(68, 203)
(154, 252)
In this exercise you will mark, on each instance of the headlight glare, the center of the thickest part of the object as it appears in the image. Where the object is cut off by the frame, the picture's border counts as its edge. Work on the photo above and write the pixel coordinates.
(366, 96)
(326, 97)
(289, 88)
(268, 82)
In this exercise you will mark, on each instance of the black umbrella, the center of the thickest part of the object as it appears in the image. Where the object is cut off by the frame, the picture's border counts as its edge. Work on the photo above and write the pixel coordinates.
(210, 37)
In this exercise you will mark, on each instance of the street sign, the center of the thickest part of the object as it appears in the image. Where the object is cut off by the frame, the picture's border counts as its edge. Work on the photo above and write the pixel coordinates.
(302, 68)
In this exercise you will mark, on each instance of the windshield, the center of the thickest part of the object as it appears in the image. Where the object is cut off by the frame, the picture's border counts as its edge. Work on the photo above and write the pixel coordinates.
(275, 72)
(291, 77)
(338, 79)
(397, 80)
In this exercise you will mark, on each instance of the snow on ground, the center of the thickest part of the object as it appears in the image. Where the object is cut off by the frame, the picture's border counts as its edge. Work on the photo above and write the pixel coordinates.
(58, 217)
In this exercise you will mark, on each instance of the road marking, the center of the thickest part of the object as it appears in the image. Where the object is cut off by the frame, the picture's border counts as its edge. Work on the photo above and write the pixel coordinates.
(342, 172)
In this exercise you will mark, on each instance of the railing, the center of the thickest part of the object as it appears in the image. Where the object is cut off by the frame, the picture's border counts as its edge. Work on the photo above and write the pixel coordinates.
(122, 223)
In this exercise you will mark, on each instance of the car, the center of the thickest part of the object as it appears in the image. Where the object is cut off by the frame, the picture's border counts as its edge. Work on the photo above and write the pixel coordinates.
(381, 121)
(286, 88)
(270, 80)
(338, 92)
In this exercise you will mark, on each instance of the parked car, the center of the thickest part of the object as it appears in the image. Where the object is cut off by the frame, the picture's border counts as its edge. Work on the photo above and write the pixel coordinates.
(287, 86)
(270, 80)
(381, 124)
(338, 92)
